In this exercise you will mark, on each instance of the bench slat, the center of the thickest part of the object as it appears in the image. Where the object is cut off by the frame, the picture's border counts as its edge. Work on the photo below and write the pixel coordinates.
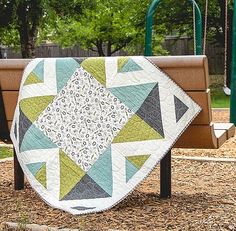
(10, 79)
(203, 136)
(188, 72)
(202, 98)
(10, 101)
(197, 136)
(229, 127)
(221, 136)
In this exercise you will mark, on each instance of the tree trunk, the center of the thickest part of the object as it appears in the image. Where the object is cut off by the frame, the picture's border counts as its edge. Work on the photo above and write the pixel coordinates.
(109, 52)
(28, 27)
(99, 46)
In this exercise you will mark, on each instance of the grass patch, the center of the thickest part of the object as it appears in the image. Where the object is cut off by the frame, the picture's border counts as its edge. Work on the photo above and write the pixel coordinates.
(5, 152)
(218, 98)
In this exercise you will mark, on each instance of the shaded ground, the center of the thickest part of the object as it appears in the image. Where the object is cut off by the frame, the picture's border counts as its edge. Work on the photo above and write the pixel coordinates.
(218, 98)
(204, 198)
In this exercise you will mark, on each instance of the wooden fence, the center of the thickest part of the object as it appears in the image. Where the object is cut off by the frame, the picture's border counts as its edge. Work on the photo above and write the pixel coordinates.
(184, 46)
(175, 46)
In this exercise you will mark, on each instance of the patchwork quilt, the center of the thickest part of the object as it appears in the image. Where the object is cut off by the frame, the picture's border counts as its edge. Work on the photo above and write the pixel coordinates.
(88, 131)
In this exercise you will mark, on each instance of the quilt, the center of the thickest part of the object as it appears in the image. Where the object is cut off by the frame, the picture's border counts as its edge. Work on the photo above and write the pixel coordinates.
(87, 131)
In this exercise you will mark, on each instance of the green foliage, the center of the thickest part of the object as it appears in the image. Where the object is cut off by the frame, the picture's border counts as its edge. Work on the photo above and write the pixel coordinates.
(6, 12)
(65, 8)
(178, 19)
(104, 26)
(10, 37)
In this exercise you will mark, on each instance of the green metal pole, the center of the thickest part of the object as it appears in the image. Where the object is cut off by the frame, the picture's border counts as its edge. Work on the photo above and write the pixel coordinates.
(149, 21)
(233, 71)
(198, 32)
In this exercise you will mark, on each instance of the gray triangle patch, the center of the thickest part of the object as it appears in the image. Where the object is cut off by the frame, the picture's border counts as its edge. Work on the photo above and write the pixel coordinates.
(86, 188)
(180, 108)
(82, 208)
(24, 125)
(150, 111)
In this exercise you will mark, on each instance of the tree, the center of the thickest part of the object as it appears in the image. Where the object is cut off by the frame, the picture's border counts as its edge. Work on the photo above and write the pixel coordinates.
(29, 14)
(179, 21)
(21, 20)
(6, 16)
(106, 27)
(6, 12)
(23, 17)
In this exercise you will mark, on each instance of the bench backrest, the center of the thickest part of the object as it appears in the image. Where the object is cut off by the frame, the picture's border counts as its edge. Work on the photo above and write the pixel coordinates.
(189, 72)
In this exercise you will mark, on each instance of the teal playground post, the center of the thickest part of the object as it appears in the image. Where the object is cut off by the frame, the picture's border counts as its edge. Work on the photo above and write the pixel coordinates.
(149, 20)
(233, 71)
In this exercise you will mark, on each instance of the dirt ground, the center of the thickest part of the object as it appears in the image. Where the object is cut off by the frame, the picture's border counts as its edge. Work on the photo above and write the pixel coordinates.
(203, 198)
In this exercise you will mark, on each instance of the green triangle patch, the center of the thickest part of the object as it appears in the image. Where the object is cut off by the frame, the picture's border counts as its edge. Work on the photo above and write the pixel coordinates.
(128, 66)
(138, 160)
(70, 174)
(41, 176)
(32, 79)
(130, 170)
(136, 130)
(34, 106)
(35, 167)
(96, 67)
(121, 62)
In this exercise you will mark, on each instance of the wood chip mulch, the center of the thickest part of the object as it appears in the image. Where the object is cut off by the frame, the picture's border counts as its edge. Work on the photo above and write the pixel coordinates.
(203, 198)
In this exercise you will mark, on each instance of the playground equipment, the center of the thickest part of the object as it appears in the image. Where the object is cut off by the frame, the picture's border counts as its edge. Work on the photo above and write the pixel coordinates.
(189, 72)
(226, 89)
(227, 128)
(198, 45)
(197, 23)
(233, 71)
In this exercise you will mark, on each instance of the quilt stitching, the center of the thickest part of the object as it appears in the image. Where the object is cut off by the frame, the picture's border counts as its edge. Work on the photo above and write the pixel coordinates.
(111, 121)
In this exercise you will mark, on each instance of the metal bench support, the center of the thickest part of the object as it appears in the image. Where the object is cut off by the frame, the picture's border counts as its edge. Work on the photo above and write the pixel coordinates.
(18, 174)
(165, 176)
(4, 133)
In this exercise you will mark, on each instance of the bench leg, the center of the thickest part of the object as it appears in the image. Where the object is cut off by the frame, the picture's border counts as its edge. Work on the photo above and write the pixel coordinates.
(165, 176)
(4, 132)
(18, 174)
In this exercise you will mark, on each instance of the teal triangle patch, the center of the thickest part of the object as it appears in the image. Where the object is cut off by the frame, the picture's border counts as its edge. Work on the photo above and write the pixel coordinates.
(65, 68)
(130, 66)
(39, 70)
(133, 96)
(35, 167)
(101, 171)
(130, 170)
(35, 139)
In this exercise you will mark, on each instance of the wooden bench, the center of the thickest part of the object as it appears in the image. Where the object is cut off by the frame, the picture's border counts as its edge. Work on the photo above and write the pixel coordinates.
(189, 72)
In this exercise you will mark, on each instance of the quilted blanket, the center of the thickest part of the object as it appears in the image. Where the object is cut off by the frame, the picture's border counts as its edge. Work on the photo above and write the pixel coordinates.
(88, 131)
